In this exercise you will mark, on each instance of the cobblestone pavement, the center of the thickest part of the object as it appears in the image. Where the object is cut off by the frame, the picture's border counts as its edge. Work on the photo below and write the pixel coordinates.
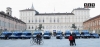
(53, 42)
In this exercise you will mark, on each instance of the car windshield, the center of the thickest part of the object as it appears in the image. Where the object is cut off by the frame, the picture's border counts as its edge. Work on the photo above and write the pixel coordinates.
(77, 33)
(58, 33)
(67, 33)
(46, 33)
(86, 32)
(26, 34)
(35, 33)
(95, 34)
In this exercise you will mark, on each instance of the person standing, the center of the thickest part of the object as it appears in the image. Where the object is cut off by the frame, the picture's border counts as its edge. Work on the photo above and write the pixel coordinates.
(71, 40)
(74, 35)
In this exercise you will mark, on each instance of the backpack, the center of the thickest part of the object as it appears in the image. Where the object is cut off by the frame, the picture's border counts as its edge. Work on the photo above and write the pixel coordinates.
(70, 37)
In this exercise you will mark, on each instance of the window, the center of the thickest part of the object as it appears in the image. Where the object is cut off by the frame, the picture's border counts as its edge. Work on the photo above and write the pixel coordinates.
(39, 20)
(29, 27)
(29, 21)
(50, 20)
(54, 20)
(32, 21)
(47, 27)
(32, 27)
(58, 27)
(35, 20)
(0, 22)
(65, 26)
(57, 20)
(54, 27)
(43, 20)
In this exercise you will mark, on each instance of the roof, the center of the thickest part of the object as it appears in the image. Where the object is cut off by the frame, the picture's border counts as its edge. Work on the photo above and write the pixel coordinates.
(92, 18)
(2, 13)
(81, 9)
(55, 14)
(28, 10)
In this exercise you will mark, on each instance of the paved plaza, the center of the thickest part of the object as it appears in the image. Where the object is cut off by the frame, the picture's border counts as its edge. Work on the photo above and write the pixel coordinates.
(53, 42)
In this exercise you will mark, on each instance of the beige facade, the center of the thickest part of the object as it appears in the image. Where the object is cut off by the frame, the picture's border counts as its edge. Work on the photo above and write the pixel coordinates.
(93, 24)
(54, 21)
(7, 22)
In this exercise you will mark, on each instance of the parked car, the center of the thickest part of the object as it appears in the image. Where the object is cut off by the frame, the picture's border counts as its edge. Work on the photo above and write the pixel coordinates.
(47, 35)
(26, 35)
(67, 34)
(36, 33)
(76, 33)
(85, 34)
(15, 35)
(5, 35)
(59, 34)
(94, 35)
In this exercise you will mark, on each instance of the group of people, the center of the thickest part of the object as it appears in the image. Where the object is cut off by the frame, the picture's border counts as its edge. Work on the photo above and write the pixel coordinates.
(72, 39)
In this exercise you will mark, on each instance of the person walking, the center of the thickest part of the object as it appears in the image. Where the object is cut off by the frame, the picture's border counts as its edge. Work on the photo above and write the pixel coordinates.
(38, 37)
(71, 40)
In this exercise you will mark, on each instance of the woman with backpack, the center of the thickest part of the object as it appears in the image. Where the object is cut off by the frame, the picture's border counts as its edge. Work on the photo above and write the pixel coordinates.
(71, 40)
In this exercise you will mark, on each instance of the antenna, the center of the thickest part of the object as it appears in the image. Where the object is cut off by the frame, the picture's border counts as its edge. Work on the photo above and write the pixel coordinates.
(54, 9)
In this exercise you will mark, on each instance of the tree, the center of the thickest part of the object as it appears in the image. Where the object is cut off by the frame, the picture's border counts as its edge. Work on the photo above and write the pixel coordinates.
(73, 26)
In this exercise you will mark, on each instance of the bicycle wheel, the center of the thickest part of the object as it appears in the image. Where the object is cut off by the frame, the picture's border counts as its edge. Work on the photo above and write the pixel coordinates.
(33, 42)
(41, 42)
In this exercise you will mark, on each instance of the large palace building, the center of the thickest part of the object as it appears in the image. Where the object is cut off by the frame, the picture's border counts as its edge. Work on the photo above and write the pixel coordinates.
(54, 21)
(7, 22)
(93, 24)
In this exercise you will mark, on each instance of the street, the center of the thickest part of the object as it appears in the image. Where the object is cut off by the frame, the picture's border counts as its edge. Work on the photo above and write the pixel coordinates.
(53, 42)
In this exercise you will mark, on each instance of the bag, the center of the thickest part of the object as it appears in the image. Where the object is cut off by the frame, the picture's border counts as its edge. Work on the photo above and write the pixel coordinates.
(70, 38)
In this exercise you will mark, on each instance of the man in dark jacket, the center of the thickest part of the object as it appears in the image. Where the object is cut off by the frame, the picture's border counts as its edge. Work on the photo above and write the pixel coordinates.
(38, 37)
(74, 36)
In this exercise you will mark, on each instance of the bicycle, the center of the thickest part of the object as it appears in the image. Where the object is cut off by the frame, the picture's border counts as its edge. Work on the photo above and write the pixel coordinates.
(34, 41)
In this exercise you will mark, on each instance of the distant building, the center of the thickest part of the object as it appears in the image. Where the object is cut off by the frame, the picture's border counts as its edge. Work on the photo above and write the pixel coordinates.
(93, 24)
(54, 21)
(7, 22)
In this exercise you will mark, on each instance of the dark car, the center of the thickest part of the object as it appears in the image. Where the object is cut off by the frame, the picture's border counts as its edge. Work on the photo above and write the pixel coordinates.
(85, 34)
(26, 35)
(67, 34)
(59, 34)
(15, 35)
(36, 33)
(47, 35)
(94, 35)
(5, 35)
(76, 33)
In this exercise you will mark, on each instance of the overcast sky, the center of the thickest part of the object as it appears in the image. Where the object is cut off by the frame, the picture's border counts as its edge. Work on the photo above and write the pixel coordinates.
(48, 6)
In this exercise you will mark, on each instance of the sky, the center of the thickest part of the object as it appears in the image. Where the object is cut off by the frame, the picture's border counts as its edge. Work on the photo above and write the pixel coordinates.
(48, 6)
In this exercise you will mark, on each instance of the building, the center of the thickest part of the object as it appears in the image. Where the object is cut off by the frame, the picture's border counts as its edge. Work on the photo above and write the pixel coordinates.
(7, 22)
(54, 21)
(92, 24)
